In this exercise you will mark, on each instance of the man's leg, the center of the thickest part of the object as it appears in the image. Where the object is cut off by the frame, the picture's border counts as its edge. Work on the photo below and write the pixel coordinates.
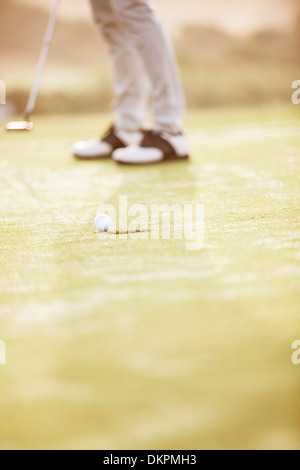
(131, 88)
(166, 140)
(156, 52)
(131, 85)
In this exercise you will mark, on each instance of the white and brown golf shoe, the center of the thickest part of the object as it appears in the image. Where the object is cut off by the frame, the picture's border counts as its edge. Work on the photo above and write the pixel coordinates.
(114, 138)
(154, 148)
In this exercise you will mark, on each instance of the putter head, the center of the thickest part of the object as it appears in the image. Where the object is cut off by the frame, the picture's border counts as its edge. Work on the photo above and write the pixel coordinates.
(19, 126)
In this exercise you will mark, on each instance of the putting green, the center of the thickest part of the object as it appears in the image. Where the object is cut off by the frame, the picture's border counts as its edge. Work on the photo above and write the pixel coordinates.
(140, 344)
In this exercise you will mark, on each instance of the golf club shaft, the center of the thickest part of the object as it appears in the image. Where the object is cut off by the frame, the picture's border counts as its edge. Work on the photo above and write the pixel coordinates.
(42, 60)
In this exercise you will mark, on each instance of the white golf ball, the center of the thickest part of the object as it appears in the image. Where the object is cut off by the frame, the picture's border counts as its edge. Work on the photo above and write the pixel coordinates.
(102, 223)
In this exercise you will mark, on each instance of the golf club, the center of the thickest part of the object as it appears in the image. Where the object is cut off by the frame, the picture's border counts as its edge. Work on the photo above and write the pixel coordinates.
(26, 125)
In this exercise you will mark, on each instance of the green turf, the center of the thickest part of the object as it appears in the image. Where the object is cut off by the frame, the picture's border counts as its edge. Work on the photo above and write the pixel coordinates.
(138, 343)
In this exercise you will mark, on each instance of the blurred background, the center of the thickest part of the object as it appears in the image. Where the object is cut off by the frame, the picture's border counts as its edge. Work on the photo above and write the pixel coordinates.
(231, 53)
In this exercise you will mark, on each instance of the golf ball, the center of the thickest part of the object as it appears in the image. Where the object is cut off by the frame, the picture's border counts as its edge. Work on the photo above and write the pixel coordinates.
(102, 223)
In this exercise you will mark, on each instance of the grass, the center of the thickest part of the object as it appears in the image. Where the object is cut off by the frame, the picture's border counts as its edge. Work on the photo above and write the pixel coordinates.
(139, 344)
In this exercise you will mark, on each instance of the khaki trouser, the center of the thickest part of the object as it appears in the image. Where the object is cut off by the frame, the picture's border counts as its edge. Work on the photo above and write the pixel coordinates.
(143, 64)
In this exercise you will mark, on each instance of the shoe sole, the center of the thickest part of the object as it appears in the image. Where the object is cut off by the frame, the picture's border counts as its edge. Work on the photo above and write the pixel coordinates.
(103, 157)
(167, 159)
